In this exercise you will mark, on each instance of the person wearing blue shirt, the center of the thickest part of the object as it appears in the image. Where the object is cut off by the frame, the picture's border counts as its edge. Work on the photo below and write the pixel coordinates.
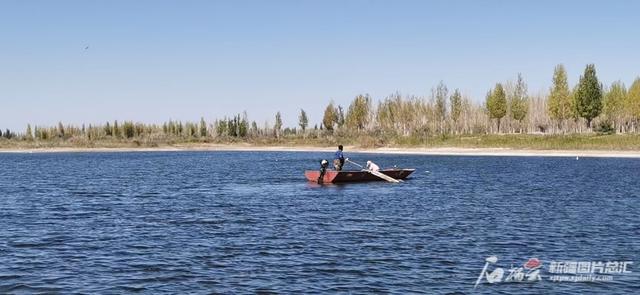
(338, 159)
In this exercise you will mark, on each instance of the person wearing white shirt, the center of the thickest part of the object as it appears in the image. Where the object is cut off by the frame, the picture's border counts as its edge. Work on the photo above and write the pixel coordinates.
(372, 166)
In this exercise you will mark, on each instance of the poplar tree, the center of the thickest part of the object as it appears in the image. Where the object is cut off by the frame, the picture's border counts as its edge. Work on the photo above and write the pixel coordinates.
(589, 95)
(519, 101)
(29, 133)
(179, 128)
(440, 95)
(497, 104)
(61, 130)
(127, 129)
(193, 130)
(456, 106)
(203, 128)
(303, 121)
(560, 103)
(254, 128)
(330, 117)
(243, 127)
(384, 115)
(107, 129)
(221, 127)
(632, 103)
(278, 125)
(613, 101)
(116, 129)
(340, 116)
(45, 133)
(358, 112)
(173, 129)
(574, 114)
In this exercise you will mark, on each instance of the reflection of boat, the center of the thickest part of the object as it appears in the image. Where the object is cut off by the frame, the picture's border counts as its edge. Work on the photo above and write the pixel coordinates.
(332, 176)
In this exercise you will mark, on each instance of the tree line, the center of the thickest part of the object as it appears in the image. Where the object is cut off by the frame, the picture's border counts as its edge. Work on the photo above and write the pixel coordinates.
(507, 108)
(588, 106)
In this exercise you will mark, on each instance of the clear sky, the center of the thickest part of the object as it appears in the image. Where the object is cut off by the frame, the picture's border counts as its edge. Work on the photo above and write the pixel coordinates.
(91, 61)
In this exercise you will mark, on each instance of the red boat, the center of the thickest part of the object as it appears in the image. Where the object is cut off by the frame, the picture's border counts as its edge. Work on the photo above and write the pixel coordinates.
(332, 176)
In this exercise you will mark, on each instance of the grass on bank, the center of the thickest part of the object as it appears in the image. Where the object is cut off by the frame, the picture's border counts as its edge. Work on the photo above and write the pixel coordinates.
(513, 141)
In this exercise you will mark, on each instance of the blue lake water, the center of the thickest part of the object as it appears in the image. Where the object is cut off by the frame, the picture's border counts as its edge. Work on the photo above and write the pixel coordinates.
(249, 222)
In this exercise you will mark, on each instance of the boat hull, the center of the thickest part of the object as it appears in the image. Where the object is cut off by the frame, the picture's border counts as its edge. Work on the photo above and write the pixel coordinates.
(332, 176)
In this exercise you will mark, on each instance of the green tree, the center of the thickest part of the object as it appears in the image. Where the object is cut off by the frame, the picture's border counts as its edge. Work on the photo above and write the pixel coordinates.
(61, 130)
(45, 134)
(192, 128)
(303, 121)
(519, 101)
(632, 103)
(574, 114)
(28, 134)
(203, 127)
(440, 95)
(180, 129)
(589, 95)
(127, 129)
(173, 127)
(358, 112)
(221, 127)
(254, 128)
(560, 102)
(278, 125)
(497, 104)
(116, 129)
(330, 117)
(340, 116)
(232, 126)
(243, 124)
(139, 129)
(107, 129)
(384, 114)
(456, 105)
(613, 101)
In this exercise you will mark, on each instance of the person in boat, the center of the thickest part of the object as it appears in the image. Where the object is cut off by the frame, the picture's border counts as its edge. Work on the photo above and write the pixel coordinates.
(323, 169)
(338, 159)
(371, 166)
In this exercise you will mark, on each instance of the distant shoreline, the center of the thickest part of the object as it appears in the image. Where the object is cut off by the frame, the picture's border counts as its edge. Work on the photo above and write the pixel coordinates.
(436, 151)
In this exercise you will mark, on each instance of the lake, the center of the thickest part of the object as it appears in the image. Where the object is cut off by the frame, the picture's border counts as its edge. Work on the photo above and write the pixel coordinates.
(249, 222)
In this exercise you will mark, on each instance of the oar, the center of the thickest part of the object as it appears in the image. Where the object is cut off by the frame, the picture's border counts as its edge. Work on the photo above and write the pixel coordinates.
(376, 173)
(354, 163)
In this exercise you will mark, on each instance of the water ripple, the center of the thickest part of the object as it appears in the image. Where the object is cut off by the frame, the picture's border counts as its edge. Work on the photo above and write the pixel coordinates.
(242, 222)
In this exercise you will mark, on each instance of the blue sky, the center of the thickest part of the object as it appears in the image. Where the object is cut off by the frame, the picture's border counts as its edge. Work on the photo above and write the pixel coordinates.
(151, 61)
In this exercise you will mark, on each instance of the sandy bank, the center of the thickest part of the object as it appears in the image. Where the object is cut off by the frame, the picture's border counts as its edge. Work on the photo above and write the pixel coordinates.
(449, 151)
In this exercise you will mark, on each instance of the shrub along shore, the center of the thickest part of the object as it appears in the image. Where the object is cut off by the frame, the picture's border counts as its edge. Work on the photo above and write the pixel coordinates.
(574, 142)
